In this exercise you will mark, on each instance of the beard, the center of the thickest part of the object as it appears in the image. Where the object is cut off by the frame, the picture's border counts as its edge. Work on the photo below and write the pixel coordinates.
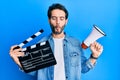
(57, 29)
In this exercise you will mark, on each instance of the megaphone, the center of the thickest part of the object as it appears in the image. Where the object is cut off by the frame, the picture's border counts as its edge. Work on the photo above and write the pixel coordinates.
(95, 34)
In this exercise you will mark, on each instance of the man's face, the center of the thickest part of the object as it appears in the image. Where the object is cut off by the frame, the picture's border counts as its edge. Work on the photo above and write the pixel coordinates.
(57, 21)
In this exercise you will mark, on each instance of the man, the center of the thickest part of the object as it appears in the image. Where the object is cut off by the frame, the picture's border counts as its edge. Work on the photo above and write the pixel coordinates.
(67, 50)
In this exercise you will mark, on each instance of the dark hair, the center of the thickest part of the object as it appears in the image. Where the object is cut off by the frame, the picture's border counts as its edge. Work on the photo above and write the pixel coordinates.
(57, 6)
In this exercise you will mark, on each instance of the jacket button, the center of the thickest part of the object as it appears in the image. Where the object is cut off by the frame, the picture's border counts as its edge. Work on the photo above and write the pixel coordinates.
(66, 77)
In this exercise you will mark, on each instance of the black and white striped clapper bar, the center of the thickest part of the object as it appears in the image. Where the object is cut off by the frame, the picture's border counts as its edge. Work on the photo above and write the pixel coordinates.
(37, 56)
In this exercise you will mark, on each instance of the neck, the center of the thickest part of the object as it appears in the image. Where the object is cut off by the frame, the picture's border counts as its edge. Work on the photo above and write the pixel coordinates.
(58, 35)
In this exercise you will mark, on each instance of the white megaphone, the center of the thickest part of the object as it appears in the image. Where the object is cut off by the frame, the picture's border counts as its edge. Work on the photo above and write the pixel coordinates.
(93, 36)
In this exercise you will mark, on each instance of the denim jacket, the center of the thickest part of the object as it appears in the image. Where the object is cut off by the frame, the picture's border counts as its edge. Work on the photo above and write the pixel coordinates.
(74, 60)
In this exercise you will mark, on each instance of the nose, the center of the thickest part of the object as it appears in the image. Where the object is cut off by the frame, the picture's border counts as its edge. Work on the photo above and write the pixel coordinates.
(57, 20)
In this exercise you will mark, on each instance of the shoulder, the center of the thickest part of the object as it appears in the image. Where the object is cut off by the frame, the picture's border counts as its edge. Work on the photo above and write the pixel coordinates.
(45, 38)
(72, 40)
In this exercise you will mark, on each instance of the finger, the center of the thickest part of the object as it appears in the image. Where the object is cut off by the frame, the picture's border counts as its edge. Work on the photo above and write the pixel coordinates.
(13, 52)
(97, 45)
(17, 47)
(13, 47)
(20, 54)
(101, 49)
(92, 44)
(18, 50)
(17, 54)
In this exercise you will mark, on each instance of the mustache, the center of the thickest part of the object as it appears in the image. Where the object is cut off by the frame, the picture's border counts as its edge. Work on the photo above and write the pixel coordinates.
(57, 26)
(53, 28)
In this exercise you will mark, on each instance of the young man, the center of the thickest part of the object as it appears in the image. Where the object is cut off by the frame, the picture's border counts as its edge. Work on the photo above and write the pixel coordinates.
(67, 50)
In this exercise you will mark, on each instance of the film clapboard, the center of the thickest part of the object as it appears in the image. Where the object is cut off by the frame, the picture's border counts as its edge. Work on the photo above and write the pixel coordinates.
(37, 56)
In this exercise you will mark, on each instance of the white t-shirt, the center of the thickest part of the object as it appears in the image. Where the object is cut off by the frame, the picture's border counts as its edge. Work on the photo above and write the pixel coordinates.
(59, 69)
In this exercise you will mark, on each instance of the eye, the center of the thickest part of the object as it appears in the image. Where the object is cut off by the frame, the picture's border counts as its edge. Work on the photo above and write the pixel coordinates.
(62, 18)
(53, 18)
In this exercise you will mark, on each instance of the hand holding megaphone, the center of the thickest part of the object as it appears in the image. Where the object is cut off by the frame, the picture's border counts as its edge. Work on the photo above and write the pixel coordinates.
(95, 34)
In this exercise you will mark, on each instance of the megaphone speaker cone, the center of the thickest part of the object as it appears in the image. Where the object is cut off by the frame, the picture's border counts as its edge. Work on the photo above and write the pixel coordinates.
(95, 34)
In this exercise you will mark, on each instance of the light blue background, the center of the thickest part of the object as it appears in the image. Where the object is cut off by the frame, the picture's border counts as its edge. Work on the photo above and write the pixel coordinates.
(19, 19)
